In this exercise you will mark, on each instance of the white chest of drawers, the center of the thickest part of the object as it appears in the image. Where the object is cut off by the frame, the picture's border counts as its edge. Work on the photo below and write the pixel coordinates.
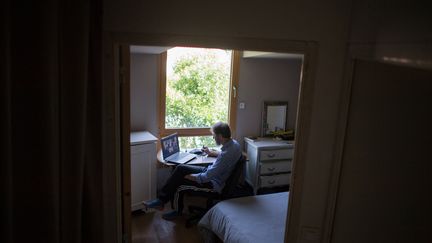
(269, 162)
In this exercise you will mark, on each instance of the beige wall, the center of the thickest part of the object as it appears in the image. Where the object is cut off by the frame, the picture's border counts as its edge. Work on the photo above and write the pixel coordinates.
(326, 23)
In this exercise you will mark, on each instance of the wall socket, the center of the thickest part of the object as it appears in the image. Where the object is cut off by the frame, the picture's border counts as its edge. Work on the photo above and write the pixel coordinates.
(242, 105)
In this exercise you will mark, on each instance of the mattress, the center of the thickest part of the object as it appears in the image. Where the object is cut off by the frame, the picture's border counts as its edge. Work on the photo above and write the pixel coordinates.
(259, 219)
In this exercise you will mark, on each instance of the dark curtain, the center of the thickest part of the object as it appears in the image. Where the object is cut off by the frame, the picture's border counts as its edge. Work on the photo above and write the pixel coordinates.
(51, 93)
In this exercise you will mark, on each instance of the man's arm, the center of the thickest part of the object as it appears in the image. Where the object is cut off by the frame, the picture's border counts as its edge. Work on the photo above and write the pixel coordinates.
(215, 169)
(206, 176)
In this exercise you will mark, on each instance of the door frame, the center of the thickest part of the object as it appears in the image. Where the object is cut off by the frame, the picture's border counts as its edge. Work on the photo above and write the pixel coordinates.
(303, 119)
(123, 74)
(343, 123)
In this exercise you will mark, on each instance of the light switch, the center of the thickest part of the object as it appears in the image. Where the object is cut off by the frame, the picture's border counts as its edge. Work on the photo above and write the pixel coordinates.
(241, 105)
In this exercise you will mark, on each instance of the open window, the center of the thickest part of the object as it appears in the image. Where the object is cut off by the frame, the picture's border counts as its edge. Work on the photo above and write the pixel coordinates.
(198, 86)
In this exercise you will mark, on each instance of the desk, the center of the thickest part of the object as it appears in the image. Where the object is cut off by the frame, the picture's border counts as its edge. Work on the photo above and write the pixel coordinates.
(199, 160)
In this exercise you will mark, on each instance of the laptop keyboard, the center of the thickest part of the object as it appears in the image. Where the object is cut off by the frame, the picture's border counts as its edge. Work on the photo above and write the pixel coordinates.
(181, 157)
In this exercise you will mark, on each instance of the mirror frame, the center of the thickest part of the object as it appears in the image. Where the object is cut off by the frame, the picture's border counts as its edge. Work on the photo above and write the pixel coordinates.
(264, 115)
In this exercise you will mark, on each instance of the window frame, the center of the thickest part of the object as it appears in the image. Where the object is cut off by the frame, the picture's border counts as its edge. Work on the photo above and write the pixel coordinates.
(204, 131)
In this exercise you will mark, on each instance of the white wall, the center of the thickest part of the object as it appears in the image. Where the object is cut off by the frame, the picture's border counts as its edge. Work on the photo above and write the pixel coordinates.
(405, 31)
(396, 30)
(144, 92)
(326, 23)
(263, 79)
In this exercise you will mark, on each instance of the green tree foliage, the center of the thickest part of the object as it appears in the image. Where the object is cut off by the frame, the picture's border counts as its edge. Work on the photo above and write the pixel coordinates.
(196, 142)
(197, 92)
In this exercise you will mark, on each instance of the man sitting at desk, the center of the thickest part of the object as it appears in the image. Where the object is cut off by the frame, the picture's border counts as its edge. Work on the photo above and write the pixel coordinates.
(212, 178)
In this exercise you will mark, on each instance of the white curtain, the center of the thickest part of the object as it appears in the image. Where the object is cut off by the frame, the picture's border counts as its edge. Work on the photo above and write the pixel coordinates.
(51, 166)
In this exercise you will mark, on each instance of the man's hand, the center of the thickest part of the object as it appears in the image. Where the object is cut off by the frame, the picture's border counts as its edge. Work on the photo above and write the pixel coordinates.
(209, 152)
(190, 177)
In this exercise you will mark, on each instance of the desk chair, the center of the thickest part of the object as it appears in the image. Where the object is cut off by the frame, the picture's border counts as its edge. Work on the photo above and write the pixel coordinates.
(234, 187)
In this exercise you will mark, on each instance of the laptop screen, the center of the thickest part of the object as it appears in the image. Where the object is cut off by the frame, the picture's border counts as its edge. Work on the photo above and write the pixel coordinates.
(170, 145)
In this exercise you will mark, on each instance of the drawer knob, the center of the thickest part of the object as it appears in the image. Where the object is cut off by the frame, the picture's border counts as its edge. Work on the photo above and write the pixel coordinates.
(271, 182)
(271, 169)
(271, 155)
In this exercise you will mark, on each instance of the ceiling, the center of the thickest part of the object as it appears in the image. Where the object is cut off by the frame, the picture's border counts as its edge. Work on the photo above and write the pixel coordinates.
(149, 49)
(275, 55)
(246, 54)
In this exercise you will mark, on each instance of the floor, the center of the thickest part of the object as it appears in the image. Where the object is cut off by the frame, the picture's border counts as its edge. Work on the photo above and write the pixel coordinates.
(150, 227)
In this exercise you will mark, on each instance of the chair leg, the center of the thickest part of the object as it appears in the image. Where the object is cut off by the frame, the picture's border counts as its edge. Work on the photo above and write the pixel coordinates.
(209, 203)
(192, 221)
(195, 209)
(196, 214)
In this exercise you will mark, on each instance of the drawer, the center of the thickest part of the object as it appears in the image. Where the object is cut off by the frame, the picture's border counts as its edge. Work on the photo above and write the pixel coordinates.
(275, 180)
(276, 154)
(276, 167)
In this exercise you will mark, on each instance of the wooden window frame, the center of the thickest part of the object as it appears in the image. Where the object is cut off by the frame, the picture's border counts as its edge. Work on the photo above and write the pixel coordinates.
(205, 131)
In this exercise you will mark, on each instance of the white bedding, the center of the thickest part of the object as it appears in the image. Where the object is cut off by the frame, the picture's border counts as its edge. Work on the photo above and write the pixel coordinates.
(259, 219)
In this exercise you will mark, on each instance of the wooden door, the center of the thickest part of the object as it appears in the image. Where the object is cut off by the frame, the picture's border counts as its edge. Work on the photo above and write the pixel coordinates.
(385, 187)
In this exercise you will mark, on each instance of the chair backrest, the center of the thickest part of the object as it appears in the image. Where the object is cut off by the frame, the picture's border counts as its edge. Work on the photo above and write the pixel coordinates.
(235, 178)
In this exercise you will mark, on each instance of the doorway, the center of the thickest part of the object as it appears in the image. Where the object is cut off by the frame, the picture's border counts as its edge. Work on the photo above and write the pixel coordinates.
(308, 50)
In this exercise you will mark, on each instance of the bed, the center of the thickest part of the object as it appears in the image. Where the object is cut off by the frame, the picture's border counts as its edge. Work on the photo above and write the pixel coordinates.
(247, 220)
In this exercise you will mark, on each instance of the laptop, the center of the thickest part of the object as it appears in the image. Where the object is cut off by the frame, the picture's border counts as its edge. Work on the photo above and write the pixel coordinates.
(171, 150)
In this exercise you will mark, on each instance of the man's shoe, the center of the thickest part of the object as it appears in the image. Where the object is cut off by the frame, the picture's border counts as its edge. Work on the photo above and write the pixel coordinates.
(170, 215)
(155, 204)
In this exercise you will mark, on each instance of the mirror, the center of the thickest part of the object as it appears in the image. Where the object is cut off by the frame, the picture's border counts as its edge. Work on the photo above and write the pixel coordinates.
(274, 117)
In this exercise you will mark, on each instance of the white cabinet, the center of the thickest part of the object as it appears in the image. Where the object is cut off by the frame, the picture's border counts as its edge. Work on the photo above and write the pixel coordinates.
(143, 168)
(269, 162)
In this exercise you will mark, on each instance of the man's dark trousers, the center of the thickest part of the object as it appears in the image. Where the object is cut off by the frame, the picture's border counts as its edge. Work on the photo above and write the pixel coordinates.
(177, 179)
